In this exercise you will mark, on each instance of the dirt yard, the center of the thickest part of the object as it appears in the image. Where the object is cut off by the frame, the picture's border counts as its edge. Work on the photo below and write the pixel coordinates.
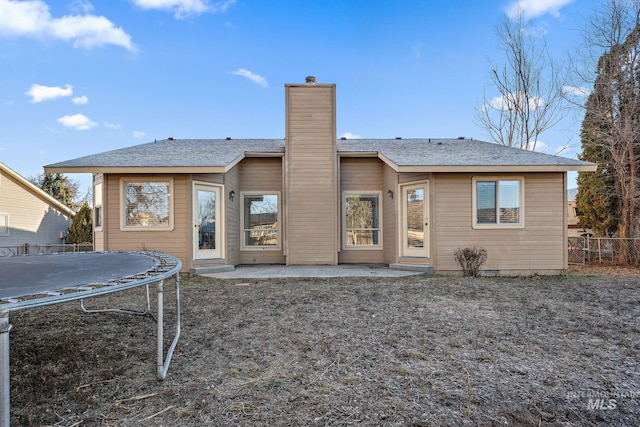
(418, 351)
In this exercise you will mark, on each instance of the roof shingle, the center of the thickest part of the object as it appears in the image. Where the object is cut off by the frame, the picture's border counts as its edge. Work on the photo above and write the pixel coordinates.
(423, 153)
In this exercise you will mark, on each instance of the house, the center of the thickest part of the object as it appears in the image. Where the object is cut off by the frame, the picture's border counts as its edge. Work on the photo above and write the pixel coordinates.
(28, 215)
(311, 198)
(573, 216)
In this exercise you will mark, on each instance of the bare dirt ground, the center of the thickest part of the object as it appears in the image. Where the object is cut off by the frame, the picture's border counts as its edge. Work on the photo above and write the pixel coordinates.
(416, 351)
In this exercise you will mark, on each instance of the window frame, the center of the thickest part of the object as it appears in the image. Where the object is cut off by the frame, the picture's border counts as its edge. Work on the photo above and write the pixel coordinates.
(345, 230)
(243, 230)
(98, 197)
(497, 224)
(7, 233)
(123, 204)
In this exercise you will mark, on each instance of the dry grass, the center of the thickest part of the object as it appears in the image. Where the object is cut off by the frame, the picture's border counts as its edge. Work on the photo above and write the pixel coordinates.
(413, 351)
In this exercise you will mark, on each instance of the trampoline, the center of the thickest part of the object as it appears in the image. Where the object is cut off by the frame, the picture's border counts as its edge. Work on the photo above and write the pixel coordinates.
(40, 280)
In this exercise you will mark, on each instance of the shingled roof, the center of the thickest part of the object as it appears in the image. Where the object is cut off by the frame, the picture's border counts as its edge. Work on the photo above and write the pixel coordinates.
(403, 155)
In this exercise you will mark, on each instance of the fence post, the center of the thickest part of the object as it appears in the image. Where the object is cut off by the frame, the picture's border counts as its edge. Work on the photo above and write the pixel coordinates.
(599, 251)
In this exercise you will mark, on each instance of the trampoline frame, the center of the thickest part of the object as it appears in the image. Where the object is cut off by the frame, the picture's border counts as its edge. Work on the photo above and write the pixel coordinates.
(165, 266)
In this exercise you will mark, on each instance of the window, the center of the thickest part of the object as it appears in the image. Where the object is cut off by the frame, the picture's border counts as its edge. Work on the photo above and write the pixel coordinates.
(146, 204)
(498, 202)
(260, 220)
(97, 203)
(4, 224)
(362, 220)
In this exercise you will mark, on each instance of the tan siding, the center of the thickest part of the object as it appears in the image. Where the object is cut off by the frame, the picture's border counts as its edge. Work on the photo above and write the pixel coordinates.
(407, 177)
(212, 178)
(232, 218)
(176, 242)
(365, 174)
(31, 219)
(311, 198)
(261, 175)
(539, 246)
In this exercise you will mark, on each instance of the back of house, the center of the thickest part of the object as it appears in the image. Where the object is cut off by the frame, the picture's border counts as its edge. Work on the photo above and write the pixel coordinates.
(312, 198)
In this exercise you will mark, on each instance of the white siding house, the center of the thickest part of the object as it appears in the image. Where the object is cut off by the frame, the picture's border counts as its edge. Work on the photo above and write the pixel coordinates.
(28, 215)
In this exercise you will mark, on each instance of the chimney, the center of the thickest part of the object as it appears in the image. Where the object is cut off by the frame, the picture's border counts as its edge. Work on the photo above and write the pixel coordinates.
(311, 174)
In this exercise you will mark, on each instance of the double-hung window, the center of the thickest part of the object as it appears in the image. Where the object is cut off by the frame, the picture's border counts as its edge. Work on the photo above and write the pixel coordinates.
(498, 202)
(260, 221)
(362, 220)
(146, 204)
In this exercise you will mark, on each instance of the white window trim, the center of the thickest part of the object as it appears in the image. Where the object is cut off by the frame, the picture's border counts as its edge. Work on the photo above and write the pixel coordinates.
(244, 247)
(123, 214)
(474, 207)
(348, 247)
(8, 233)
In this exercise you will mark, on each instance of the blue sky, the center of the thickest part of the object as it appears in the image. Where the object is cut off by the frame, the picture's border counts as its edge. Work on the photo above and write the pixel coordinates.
(80, 77)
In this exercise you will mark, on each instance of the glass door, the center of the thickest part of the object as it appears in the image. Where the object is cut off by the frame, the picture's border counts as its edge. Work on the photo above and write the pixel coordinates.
(415, 220)
(206, 221)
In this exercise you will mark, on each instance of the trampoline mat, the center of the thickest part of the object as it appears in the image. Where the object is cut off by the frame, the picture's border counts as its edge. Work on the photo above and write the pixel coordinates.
(36, 274)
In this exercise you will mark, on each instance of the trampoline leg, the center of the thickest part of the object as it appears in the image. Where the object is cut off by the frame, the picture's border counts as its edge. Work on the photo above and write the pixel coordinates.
(4, 368)
(160, 360)
(120, 310)
(163, 363)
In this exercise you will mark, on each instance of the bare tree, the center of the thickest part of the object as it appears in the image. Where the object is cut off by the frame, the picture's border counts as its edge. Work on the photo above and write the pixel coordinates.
(611, 129)
(529, 84)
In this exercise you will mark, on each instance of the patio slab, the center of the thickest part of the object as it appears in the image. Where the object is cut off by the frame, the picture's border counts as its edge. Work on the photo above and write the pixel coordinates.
(275, 271)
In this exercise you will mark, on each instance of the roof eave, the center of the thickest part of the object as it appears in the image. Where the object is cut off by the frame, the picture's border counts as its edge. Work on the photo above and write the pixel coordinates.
(498, 168)
(135, 169)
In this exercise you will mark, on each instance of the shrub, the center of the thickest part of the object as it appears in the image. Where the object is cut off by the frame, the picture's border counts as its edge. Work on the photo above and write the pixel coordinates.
(81, 226)
(471, 260)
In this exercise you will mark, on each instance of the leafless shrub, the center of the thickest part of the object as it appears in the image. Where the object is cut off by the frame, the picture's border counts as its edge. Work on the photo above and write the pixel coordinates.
(471, 260)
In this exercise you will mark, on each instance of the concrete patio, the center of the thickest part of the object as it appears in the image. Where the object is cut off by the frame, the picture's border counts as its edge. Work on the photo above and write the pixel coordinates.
(274, 271)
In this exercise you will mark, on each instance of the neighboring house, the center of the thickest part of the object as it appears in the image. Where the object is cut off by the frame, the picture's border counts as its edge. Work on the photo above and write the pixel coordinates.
(313, 199)
(29, 215)
(573, 215)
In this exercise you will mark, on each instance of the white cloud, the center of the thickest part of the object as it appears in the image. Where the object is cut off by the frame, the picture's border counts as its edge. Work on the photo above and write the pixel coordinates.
(576, 91)
(182, 8)
(350, 135)
(138, 134)
(81, 6)
(514, 101)
(39, 93)
(77, 121)
(534, 8)
(111, 125)
(80, 100)
(33, 19)
(538, 146)
(257, 79)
